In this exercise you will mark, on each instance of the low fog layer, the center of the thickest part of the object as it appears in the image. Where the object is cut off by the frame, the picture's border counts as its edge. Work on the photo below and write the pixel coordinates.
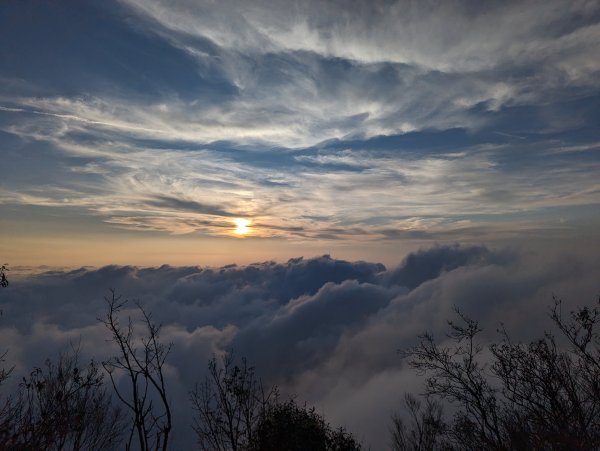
(324, 329)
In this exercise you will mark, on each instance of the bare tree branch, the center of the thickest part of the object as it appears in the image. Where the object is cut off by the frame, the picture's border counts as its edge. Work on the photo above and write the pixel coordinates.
(141, 361)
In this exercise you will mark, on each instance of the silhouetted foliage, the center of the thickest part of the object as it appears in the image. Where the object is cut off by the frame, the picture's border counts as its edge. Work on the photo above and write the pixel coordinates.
(530, 397)
(5, 405)
(4, 373)
(3, 279)
(141, 360)
(228, 405)
(287, 426)
(62, 405)
(425, 428)
(234, 412)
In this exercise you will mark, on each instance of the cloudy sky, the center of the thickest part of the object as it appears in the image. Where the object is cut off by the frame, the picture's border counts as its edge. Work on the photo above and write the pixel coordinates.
(442, 153)
(139, 131)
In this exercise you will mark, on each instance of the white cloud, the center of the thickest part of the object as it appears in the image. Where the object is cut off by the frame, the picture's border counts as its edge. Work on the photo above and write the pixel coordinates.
(323, 329)
(449, 36)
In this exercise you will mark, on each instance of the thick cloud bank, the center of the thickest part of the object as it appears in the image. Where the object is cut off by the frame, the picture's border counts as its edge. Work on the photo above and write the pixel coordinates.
(324, 329)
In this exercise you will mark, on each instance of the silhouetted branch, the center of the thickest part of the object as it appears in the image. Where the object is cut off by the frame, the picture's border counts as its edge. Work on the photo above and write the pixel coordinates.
(141, 360)
(62, 406)
(228, 405)
(545, 398)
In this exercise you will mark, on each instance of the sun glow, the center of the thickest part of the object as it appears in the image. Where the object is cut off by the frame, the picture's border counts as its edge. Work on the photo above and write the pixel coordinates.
(241, 226)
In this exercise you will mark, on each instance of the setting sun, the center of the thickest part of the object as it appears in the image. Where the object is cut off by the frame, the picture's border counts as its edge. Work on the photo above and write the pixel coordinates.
(241, 226)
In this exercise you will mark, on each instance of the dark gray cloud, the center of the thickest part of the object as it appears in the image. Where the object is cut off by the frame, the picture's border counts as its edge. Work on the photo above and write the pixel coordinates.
(307, 329)
(169, 202)
(428, 264)
(324, 329)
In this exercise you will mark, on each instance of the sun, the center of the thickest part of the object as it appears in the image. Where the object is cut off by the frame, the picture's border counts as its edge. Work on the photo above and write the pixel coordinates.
(241, 226)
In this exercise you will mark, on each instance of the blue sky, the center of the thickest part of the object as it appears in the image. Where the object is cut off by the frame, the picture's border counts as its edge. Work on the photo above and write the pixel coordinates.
(329, 126)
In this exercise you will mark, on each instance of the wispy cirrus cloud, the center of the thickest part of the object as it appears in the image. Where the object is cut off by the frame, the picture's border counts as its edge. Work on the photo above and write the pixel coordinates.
(458, 35)
(318, 123)
(211, 183)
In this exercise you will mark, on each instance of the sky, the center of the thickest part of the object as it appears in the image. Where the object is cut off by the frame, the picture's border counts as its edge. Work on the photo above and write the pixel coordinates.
(309, 183)
(138, 132)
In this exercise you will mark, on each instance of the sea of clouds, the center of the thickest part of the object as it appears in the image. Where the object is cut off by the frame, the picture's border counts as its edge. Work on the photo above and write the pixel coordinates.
(323, 329)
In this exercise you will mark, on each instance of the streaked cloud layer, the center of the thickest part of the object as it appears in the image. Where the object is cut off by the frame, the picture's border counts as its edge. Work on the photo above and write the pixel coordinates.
(317, 121)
